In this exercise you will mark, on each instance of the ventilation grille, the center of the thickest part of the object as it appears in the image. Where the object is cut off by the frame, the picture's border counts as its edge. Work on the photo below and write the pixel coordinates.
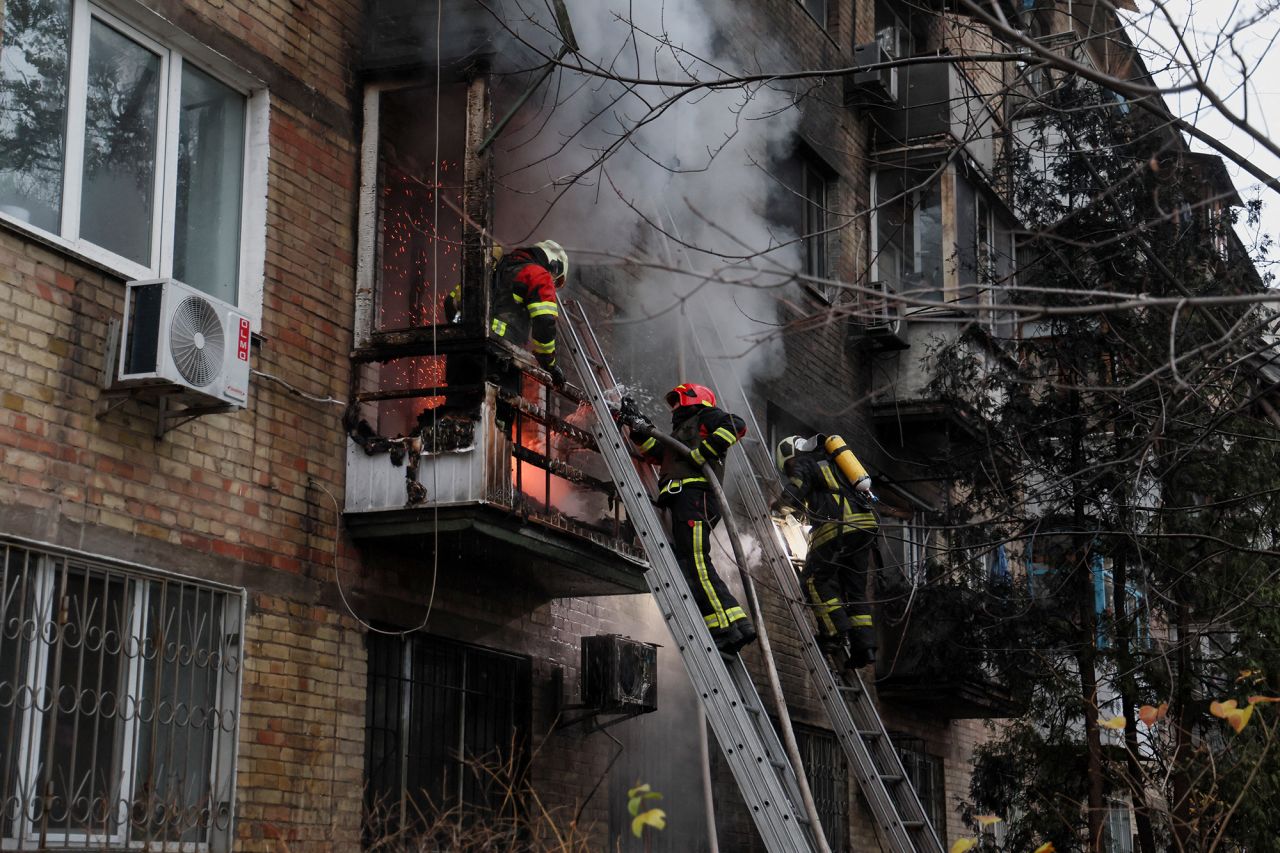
(196, 341)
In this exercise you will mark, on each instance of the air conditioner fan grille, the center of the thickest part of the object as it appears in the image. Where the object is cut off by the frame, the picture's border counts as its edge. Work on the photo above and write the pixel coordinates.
(196, 342)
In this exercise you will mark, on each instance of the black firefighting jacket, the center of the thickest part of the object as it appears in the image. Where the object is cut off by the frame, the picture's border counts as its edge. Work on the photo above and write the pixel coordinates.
(833, 507)
(524, 302)
(708, 432)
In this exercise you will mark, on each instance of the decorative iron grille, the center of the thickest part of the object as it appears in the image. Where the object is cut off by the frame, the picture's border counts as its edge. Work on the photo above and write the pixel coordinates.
(448, 733)
(825, 770)
(119, 705)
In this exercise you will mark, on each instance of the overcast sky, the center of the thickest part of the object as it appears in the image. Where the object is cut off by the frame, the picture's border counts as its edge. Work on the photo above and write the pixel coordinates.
(1254, 46)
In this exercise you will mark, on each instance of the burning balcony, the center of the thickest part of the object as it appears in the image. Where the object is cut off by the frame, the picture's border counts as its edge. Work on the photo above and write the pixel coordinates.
(507, 478)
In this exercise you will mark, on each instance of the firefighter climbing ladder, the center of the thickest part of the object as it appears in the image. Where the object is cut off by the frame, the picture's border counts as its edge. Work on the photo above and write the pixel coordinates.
(733, 707)
(853, 716)
(734, 711)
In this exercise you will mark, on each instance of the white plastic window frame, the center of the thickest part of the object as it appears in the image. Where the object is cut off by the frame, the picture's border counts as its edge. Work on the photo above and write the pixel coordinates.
(174, 48)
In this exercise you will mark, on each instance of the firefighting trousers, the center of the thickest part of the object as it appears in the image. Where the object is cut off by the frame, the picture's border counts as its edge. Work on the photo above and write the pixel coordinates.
(693, 515)
(836, 577)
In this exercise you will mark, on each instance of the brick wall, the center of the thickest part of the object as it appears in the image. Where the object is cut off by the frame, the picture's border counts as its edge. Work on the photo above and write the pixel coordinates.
(300, 775)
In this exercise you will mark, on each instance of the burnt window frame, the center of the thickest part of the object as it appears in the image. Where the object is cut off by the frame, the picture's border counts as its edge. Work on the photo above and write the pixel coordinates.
(397, 687)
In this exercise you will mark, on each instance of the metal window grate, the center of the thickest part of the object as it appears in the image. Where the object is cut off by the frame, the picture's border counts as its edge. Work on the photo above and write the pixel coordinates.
(925, 773)
(118, 705)
(448, 727)
(825, 769)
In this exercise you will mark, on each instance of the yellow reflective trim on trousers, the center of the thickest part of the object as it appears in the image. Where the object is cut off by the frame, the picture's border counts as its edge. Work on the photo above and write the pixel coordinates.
(540, 309)
(727, 435)
(862, 621)
(824, 616)
(544, 349)
(704, 577)
(499, 327)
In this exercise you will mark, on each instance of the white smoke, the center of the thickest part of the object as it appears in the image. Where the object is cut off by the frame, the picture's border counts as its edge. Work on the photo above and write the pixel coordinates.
(702, 168)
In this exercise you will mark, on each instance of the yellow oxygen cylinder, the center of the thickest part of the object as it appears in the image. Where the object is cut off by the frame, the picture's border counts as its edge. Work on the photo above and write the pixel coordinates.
(845, 460)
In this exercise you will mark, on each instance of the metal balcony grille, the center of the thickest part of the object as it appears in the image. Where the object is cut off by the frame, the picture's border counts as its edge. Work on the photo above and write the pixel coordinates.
(447, 734)
(119, 705)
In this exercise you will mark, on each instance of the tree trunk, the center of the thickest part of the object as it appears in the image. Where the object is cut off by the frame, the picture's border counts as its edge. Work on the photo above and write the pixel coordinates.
(1180, 712)
(1124, 634)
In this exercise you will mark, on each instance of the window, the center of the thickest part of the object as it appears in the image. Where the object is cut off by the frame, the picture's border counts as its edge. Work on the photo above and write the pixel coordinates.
(439, 712)
(908, 228)
(121, 149)
(817, 189)
(892, 32)
(1117, 832)
(908, 542)
(118, 705)
(925, 773)
(817, 9)
(825, 770)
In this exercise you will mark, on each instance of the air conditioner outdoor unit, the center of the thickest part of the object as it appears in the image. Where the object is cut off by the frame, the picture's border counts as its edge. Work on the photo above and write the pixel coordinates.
(176, 339)
(884, 321)
(871, 84)
(619, 675)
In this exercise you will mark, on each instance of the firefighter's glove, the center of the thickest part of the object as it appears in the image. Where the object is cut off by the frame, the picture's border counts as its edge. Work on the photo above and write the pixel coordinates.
(557, 375)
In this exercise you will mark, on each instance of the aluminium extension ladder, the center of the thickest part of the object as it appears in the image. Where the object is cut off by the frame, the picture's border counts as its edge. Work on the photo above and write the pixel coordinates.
(733, 708)
(850, 710)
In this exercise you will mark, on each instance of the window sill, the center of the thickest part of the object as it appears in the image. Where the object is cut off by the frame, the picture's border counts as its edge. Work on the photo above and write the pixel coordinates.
(67, 248)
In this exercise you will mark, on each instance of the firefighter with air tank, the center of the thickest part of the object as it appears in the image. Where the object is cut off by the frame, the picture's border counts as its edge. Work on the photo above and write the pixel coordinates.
(824, 479)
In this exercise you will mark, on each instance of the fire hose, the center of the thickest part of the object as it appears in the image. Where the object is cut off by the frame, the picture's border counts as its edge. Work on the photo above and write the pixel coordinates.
(627, 416)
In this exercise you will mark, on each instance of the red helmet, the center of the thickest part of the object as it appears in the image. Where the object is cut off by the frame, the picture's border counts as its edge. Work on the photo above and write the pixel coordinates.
(689, 394)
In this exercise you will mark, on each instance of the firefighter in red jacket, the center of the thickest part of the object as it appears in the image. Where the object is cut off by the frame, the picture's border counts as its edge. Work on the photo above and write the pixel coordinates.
(524, 301)
(683, 488)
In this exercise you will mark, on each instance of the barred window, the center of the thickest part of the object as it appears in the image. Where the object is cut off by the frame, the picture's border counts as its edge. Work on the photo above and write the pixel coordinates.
(824, 767)
(447, 734)
(118, 705)
(925, 774)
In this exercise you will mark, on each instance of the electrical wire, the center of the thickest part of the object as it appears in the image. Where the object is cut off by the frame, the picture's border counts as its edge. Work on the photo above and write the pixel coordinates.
(298, 391)
(337, 577)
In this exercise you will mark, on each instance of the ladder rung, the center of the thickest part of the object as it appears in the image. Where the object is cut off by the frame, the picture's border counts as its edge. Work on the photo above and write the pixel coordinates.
(913, 824)
(891, 777)
(849, 688)
(870, 734)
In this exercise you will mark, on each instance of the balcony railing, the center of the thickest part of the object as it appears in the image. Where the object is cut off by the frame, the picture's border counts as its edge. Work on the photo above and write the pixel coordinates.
(939, 655)
(513, 479)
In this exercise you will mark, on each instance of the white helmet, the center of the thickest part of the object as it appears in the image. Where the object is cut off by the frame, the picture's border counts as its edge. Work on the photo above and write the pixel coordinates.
(557, 260)
(792, 445)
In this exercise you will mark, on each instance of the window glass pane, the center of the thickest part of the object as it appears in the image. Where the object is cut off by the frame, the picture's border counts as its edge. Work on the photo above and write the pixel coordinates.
(34, 59)
(420, 235)
(814, 224)
(206, 239)
(120, 144)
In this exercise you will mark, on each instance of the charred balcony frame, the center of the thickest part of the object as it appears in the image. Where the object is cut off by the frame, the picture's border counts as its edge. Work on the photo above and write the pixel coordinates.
(456, 439)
